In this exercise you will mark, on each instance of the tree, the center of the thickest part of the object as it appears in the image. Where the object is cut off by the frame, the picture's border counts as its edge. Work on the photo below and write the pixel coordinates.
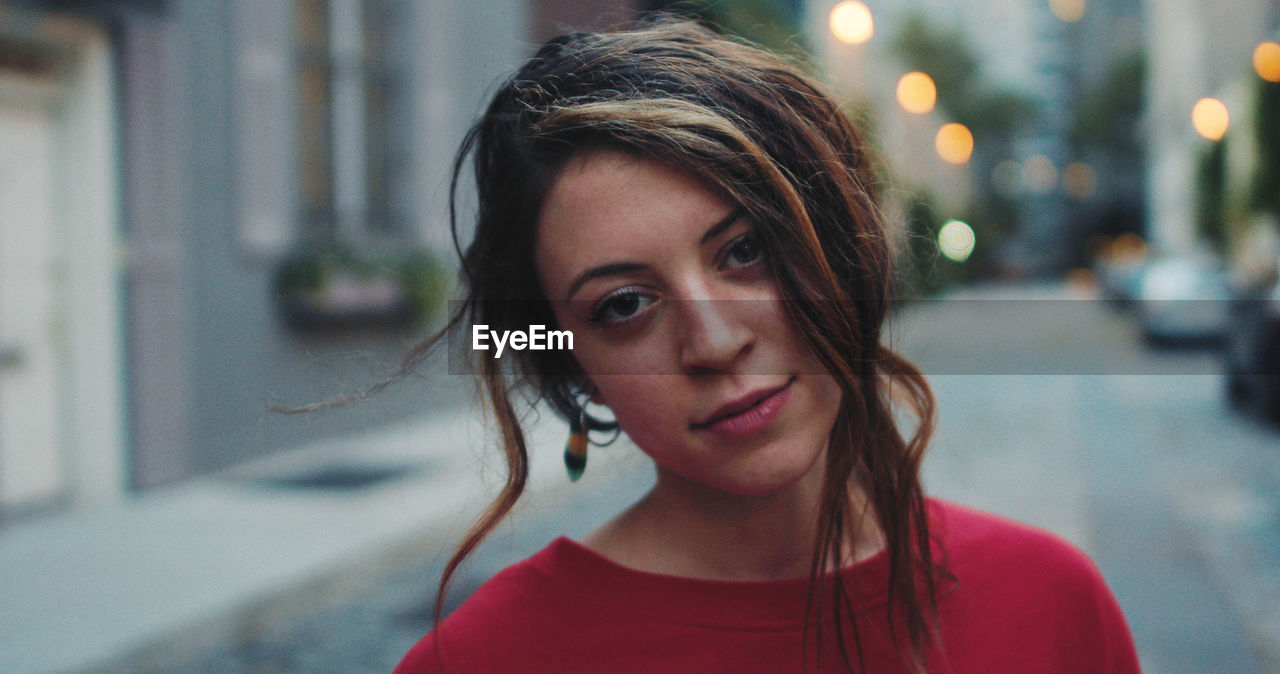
(991, 113)
(1266, 178)
(770, 23)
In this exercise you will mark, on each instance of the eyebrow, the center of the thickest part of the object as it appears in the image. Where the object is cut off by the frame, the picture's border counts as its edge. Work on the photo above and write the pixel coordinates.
(627, 267)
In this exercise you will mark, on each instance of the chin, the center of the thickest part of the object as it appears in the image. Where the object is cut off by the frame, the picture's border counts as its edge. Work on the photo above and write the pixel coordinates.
(768, 480)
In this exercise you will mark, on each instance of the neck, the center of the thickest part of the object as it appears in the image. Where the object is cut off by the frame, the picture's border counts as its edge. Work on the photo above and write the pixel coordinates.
(686, 529)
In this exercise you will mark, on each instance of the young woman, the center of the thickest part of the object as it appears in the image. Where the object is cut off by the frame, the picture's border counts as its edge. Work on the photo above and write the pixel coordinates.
(703, 219)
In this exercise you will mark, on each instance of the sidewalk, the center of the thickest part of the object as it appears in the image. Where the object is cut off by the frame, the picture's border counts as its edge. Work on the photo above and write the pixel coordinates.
(162, 575)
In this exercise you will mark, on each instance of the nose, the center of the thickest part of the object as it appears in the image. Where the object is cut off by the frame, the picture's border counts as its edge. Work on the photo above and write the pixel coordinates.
(713, 335)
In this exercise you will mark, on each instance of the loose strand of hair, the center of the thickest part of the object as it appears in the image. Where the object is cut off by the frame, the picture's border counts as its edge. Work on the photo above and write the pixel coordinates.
(517, 461)
(408, 363)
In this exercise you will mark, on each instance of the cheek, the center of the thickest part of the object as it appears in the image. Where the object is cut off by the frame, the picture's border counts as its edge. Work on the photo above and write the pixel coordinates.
(827, 401)
(646, 406)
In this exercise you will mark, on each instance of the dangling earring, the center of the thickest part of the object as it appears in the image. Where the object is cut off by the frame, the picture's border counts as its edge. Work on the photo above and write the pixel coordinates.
(575, 448)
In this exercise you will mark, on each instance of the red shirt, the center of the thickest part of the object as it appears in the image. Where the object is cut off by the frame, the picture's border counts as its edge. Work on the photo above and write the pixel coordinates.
(1019, 600)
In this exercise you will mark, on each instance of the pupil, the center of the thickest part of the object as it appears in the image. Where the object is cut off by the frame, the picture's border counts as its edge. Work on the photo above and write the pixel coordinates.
(625, 306)
(745, 251)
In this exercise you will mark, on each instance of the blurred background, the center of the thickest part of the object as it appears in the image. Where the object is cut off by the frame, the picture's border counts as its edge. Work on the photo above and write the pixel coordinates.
(210, 208)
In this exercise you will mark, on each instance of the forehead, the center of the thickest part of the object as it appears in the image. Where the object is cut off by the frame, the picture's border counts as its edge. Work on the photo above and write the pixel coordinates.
(608, 206)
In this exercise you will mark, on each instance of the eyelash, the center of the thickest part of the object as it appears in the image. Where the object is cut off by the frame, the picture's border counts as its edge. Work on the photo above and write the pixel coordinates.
(598, 309)
(748, 237)
(596, 314)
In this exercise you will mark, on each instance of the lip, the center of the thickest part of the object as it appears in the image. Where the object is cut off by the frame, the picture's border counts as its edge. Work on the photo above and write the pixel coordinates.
(748, 414)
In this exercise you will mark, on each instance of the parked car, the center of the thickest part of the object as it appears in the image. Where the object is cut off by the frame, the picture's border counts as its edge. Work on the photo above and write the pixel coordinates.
(1121, 281)
(1183, 300)
(1252, 350)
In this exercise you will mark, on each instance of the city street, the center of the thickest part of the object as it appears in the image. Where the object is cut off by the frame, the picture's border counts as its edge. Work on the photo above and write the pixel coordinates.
(1174, 494)
(225, 225)
(1171, 492)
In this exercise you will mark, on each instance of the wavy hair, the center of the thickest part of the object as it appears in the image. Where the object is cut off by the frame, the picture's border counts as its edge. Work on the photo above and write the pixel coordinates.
(772, 142)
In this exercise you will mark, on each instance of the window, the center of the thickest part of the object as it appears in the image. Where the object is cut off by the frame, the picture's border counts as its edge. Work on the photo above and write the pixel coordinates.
(351, 116)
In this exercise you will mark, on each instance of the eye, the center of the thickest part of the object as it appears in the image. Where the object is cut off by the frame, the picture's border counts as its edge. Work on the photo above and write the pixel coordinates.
(743, 251)
(620, 306)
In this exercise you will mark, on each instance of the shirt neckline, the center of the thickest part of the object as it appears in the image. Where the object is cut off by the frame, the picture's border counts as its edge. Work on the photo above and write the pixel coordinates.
(698, 601)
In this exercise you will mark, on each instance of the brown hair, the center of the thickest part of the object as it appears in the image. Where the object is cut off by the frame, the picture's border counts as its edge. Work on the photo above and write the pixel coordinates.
(771, 141)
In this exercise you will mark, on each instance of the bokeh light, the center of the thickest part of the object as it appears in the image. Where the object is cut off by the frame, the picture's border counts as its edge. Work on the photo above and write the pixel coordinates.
(1210, 118)
(1266, 60)
(1079, 180)
(917, 93)
(954, 143)
(1067, 10)
(1039, 174)
(851, 22)
(1006, 178)
(1128, 247)
(956, 240)
(1081, 279)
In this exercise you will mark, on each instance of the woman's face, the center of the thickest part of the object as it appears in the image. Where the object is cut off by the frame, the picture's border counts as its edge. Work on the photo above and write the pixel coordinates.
(678, 323)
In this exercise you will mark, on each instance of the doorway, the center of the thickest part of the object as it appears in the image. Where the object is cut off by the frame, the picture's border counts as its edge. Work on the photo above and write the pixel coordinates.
(32, 470)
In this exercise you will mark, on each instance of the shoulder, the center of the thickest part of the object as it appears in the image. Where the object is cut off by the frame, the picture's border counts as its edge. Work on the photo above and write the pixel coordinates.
(511, 613)
(1011, 578)
(973, 540)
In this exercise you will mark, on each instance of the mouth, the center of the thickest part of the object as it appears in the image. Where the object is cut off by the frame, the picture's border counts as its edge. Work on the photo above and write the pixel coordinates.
(747, 414)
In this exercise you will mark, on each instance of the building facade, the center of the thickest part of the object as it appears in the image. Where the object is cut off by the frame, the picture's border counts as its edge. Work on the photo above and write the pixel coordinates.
(1194, 50)
(158, 160)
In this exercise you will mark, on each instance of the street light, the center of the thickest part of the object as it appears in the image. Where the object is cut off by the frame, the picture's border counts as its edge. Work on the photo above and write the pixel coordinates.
(954, 143)
(851, 22)
(956, 240)
(1067, 10)
(917, 93)
(1210, 118)
(1266, 60)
